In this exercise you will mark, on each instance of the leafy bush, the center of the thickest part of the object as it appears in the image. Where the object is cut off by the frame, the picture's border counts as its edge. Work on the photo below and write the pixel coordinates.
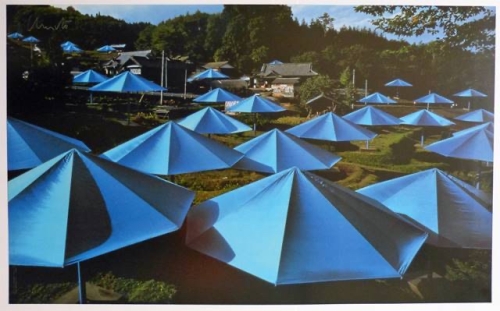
(402, 151)
(150, 291)
(42, 293)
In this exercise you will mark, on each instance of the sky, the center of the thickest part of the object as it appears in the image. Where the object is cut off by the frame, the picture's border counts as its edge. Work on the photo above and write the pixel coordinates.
(344, 15)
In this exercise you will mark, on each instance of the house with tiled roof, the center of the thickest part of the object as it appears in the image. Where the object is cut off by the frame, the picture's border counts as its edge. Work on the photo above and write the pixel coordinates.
(223, 67)
(146, 64)
(284, 78)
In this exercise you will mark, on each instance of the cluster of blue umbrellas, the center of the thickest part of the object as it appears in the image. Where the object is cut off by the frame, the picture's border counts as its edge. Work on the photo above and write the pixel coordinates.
(68, 46)
(290, 227)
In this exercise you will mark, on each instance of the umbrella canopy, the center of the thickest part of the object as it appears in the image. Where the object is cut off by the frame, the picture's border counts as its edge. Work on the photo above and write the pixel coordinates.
(331, 127)
(31, 39)
(433, 98)
(398, 83)
(276, 62)
(473, 145)
(15, 35)
(275, 151)
(295, 227)
(211, 121)
(479, 115)
(441, 205)
(71, 49)
(29, 145)
(171, 149)
(372, 116)
(469, 93)
(68, 43)
(217, 95)
(78, 206)
(377, 98)
(106, 48)
(209, 74)
(425, 118)
(89, 76)
(256, 104)
(127, 82)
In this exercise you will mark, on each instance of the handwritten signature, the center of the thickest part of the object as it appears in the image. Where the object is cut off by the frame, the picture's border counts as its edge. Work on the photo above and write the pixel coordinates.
(37, 24)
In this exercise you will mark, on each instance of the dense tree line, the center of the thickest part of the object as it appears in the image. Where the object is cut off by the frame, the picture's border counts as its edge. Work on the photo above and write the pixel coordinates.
(249, 35)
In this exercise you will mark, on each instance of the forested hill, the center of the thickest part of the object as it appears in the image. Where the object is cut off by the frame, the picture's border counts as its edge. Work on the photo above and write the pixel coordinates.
(249, 35)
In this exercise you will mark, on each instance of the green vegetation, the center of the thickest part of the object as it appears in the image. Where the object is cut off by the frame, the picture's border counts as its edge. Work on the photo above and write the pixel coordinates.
(43, 293)
(150, 291)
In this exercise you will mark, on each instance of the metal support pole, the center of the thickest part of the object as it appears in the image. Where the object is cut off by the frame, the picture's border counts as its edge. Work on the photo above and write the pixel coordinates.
(162, 69)
(185, 82)
(82, 291)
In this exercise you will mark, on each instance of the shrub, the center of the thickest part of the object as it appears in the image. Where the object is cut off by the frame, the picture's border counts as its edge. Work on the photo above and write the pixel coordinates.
(43, 293)
(150, 291)
(402, 151)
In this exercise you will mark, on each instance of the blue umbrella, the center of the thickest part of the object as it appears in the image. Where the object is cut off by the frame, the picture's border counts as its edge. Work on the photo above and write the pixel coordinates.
(15, 35)
(275, 151)
(212, 121)
(425, 118)
(127, 82)
(479, 115)
(209, 74)
(473, 145)
(31, 39)
(295, 227)
(67, 43)
(470, 93)
(443, 206)
(433, 98)
(89, 76)
(106, 49)
(331, 127)
(71, 49)
(29, 145)
(256, 104)
(377, 98)
(77, 206)
(217, 95)
(370, 116)
(171, 149)
(398, 83)
(276, 62)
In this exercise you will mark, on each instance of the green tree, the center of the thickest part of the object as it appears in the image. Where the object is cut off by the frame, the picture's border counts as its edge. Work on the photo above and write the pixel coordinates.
(462, 26)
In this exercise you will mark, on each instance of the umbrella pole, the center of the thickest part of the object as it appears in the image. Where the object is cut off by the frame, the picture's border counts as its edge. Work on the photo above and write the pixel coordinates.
(367, 144)
(128, 113)
(255, 124)
(422, 138)
(82, 292)
(478, 174)
(427, 106)
(468, 106)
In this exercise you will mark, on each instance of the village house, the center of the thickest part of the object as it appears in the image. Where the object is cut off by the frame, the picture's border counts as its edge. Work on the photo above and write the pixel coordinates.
(283, 78)
(146, 64)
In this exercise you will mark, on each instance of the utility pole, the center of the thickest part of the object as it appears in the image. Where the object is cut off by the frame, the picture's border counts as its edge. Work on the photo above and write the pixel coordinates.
(162, 69)
(354, 78)
(366, 88)
(185, 82)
